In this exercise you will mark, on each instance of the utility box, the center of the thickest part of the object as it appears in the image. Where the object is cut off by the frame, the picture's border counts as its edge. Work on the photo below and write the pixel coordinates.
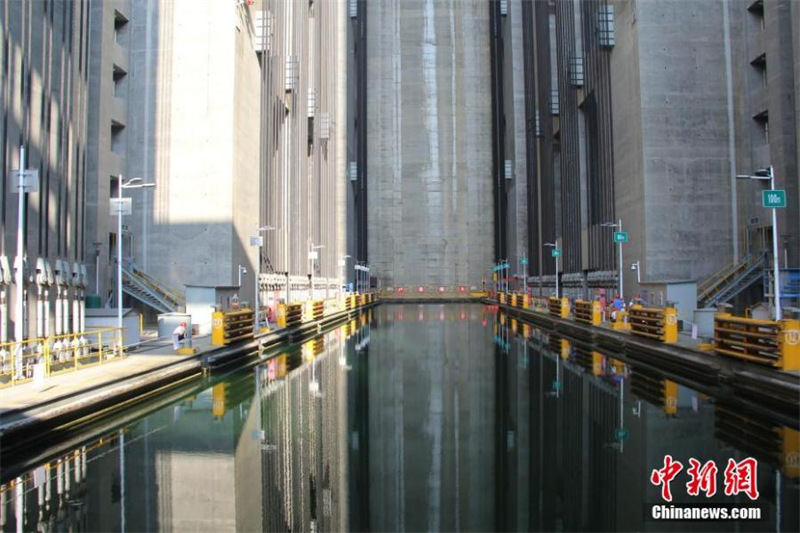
(107, 318)
(167, 322)
(682, 293)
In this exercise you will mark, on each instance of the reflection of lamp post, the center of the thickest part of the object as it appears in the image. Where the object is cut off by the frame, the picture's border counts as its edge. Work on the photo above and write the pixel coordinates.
(123, 209)
(763, 175)
(258, 241)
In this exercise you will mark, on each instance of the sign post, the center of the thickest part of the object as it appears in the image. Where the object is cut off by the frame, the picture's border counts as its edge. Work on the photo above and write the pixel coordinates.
(556, 253)
(620, 237)
(27, 181)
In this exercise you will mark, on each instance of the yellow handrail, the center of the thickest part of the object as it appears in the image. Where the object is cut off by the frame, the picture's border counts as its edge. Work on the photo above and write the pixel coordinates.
(21, 361)
(713, 282)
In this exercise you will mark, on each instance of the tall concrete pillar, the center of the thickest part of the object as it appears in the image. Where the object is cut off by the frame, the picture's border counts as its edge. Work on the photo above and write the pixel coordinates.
(429, 163)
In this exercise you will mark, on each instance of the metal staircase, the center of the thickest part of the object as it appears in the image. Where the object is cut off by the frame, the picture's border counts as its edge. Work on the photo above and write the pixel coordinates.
(151, 291)
(725, 284)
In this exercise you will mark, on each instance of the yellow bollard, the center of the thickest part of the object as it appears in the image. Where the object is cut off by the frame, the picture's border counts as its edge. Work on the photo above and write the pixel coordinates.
(789, 345)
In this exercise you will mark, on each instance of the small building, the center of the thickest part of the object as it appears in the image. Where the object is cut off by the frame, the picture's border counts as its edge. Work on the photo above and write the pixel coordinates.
(201, 300)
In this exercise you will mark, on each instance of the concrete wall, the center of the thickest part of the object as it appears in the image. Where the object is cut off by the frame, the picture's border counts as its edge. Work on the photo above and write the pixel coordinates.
(429, 127)
(514, 100)
(102, 162)
(685, 139)
(194, 86)
(627, 125)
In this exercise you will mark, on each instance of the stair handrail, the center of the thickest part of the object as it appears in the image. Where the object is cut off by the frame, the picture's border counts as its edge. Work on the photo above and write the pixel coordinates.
(723, 286)
(735, 286)
(141, 286)
(723, 276)
(135, 290)
(159, 286)
(711, 279)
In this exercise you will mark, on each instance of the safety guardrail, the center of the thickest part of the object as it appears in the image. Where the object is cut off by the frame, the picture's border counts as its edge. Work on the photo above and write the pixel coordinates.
(776, 343)
(656, 323)
(21, 362)
(231, 326)
(588, 312)
(558, 307)
(290, 315)
(318, 309)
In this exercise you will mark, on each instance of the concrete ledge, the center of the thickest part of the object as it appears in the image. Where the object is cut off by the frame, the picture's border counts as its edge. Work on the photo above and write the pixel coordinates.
(705, 371)
(18, 426)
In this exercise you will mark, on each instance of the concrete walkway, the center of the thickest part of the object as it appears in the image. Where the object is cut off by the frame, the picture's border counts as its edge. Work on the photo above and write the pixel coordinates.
(144, 359)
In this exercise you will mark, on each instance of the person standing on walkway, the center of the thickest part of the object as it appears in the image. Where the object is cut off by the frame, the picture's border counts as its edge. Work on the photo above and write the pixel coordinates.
(178, 334)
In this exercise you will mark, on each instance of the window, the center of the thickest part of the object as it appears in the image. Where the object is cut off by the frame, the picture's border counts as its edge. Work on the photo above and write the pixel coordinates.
(120, 29)
(117, 137)
(760, 64)
(757, 10)
(605, 25)
(120, 82)
(762, 119)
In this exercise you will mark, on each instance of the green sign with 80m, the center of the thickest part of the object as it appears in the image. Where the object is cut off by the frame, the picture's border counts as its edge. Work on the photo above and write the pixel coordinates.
(773, 198)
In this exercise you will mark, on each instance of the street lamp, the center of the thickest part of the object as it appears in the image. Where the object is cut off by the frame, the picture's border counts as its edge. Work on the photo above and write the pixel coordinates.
(343, 266)
(242, 270)
(637, 267)
(620, 241)
(765, 174)
(556, 253)
(258, 241)
(312, 255)
(123, 208)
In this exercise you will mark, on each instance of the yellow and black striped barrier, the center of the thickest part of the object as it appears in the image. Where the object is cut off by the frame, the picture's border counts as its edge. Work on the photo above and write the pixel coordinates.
(558, 307)
(231, 326)
(762, 341)
(290, 315)
(318, 309)
(588, 312)
(656, 323)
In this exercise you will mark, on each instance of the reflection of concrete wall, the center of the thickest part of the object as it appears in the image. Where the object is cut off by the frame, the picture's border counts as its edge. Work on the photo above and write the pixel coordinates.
(429, 126)
(197, 492)
(431, 420)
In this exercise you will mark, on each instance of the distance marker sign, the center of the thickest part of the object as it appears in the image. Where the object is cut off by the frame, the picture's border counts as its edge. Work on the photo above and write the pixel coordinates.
(773, 198)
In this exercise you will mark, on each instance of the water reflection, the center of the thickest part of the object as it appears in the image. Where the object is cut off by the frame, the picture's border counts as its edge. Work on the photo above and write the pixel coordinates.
(415, 418)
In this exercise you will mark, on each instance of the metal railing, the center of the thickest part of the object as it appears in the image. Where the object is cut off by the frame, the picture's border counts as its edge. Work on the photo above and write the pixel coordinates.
(21, 362)
(717, 281)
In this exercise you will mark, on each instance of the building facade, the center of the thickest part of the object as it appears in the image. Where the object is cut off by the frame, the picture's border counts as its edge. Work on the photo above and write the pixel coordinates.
(236, 111)
(44, 65)
(429, 156)
(634, 121)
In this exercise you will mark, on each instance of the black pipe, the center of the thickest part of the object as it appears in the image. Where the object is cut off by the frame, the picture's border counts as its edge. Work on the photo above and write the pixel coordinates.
(362, 251)
(498, 131)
